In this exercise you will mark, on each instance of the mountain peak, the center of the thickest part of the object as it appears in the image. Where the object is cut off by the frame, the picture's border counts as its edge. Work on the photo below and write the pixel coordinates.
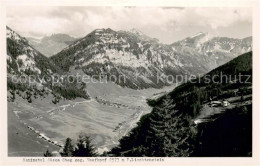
(103, 30)
(136, 31)
(50, 45)
(59, 37)
(10, 33)
(199, 34)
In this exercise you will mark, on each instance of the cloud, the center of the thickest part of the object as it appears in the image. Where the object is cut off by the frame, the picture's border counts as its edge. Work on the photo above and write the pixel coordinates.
(163, 23)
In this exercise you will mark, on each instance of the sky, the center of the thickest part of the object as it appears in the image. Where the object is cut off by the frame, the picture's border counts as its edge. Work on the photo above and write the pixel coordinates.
(164, 23)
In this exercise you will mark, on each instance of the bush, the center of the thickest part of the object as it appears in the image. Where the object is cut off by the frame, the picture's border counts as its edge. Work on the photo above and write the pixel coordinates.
(47, 154)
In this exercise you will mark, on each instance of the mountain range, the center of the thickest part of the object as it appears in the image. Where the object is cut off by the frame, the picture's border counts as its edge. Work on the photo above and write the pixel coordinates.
(142, 59)
(50, 45)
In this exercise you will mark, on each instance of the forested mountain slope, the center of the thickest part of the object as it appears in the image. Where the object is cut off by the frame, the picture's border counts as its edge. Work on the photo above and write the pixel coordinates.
(31, 74)
(185, 122)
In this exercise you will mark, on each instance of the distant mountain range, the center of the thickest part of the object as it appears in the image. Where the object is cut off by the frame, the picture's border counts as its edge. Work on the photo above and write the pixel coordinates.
(215, 50)
(50, 45)
(141, 59)
(134, 59)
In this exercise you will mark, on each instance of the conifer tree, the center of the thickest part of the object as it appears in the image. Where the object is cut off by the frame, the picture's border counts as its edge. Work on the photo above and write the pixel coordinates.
(68, 148)
(159, 123)
(169, 131)
(84, 148)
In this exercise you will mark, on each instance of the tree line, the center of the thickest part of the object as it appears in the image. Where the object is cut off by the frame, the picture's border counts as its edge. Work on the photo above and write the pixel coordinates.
(83, 148)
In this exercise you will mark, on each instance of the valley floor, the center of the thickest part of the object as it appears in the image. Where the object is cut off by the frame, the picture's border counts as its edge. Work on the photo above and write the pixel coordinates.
(110, 114)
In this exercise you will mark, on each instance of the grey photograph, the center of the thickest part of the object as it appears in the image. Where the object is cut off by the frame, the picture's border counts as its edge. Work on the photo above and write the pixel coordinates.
(125, 81)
